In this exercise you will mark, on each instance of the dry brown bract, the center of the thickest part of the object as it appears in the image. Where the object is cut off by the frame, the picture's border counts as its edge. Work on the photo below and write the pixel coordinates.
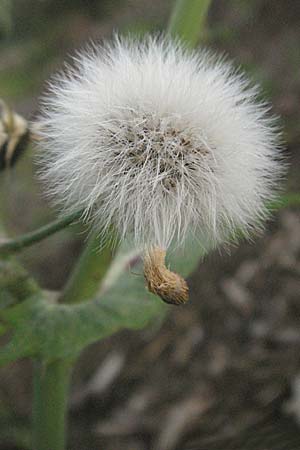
(169, 286)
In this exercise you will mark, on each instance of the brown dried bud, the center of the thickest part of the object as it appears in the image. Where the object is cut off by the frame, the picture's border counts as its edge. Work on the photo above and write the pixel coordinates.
(169, 286)
(14, 136)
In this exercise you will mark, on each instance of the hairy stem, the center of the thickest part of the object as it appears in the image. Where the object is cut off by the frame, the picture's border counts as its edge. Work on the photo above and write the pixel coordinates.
(15, 245)
(188, 19)
(51, 385)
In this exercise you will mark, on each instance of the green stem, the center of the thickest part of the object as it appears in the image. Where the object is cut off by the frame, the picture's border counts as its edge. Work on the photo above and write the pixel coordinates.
(51, 381)
(88, 272)
(188, 20)
(15, 245)
(51, 385)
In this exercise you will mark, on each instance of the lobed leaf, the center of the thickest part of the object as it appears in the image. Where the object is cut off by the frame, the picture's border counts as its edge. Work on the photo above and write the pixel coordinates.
(48, 331)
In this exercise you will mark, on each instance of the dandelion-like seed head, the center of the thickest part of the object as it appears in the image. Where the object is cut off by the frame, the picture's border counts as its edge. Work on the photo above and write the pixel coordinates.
(154, 160)
(159, 141)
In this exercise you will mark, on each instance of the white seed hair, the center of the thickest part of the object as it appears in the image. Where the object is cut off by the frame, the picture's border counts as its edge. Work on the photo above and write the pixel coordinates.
(159, 141)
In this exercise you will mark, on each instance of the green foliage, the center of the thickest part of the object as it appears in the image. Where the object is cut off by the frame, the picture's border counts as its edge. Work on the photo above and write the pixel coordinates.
(48, 331)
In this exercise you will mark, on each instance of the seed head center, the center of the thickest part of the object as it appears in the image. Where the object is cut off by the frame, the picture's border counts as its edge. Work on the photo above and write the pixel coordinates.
(163, 151)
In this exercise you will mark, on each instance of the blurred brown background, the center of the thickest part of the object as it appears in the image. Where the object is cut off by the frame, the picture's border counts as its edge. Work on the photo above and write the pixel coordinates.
(221, 373)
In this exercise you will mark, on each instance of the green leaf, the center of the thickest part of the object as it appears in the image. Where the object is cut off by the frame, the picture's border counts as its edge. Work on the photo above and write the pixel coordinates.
(49, 331)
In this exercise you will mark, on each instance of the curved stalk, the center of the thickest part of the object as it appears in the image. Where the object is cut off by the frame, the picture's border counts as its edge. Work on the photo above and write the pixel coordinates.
(15, 245)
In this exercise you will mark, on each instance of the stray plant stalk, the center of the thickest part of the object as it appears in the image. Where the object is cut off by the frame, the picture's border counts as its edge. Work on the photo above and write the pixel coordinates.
(188, 20)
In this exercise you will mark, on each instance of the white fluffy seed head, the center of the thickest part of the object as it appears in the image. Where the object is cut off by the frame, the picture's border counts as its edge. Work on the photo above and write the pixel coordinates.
(159, 141)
